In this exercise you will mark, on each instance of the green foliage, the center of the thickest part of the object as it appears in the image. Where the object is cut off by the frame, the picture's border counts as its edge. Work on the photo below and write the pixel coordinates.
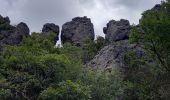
(104, 85)
(37, 69)
(67, 90)
(145, 81)
(36, 64)
(155, 38)
(75, 53)
(91, 48)
(148, 78)
(5, 94)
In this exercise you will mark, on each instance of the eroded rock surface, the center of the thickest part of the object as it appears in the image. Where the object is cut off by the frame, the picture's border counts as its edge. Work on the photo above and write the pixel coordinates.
(117, 30)
(77, 30)
(112, 56)
(12, 35)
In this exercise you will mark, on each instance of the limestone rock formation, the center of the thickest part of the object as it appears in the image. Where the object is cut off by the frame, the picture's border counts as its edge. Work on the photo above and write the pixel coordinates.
(112, 56)
(117, 30)
(11, 35)
(77, 30)
(50, 27)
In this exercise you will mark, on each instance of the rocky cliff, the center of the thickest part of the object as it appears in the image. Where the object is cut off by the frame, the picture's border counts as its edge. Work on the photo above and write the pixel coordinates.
(12, 35)
(112, 56)
(117, 30)
(77, 30)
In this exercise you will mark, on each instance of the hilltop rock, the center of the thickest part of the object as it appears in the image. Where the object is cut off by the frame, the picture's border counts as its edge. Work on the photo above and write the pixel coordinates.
(5, 23)
(50, 27)
(157, 7)
(112, 56)
(22, 29)
(4, 20)
(117, 30)
(11, 35)
(77, 30)
(16, 36)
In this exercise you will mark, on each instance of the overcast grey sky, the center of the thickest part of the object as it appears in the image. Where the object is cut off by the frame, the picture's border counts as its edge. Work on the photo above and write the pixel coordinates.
(38, 12)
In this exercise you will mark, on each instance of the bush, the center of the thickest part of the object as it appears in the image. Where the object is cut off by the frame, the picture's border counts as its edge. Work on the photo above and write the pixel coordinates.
(104, 85)
(67, 90)
(5, 94)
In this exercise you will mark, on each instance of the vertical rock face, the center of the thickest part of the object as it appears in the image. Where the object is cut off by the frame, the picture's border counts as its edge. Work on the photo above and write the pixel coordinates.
(77, 30)
(21, 31)
(50, 27)
(12, 35)
(112, 56)
(117, 30)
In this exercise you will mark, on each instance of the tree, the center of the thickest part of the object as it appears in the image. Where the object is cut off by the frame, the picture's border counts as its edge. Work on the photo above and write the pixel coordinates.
(150, 79)
(34, 65)
(155, 35)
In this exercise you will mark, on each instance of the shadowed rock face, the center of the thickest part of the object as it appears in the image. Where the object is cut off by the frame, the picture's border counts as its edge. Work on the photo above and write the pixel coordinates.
(117, 30)
(4, 20)
(157, 7)
(21, 31)
(50, 27)
(11, 35)
(77, 30)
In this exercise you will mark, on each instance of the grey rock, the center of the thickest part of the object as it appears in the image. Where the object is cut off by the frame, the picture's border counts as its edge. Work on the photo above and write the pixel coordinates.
(77, 30)
(117, 30)
(21, 31)
(50, 27)
(112, 56)
(11, 35)
(157, 7)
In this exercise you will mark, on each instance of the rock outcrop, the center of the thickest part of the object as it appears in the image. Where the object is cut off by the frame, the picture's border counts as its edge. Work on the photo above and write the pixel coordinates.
(157, 7)
(11, 35)
(112, 56)
(117, 30)
(76, 31)
(50, 27)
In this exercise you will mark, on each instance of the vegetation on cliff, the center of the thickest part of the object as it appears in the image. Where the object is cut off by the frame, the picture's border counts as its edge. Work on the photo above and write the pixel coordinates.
(36, 69)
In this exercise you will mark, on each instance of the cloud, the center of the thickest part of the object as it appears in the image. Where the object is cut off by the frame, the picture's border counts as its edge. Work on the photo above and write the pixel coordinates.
(38, 12)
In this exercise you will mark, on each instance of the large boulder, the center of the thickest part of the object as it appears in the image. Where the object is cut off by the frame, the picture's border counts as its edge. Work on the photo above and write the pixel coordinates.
(117, 30)
(112, 56)
(50, 27)
(77, 30)
(10, 35)
(21, 31)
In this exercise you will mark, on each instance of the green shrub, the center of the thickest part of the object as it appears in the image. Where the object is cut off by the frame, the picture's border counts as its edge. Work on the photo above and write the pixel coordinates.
(104, 85)
(66, 90)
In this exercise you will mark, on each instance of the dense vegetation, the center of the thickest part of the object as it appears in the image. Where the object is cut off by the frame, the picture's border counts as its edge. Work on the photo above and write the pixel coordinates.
(149, 81)
(36, 69)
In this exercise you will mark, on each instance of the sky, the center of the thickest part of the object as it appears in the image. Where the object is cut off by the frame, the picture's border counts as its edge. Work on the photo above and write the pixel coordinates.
(38, 12)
